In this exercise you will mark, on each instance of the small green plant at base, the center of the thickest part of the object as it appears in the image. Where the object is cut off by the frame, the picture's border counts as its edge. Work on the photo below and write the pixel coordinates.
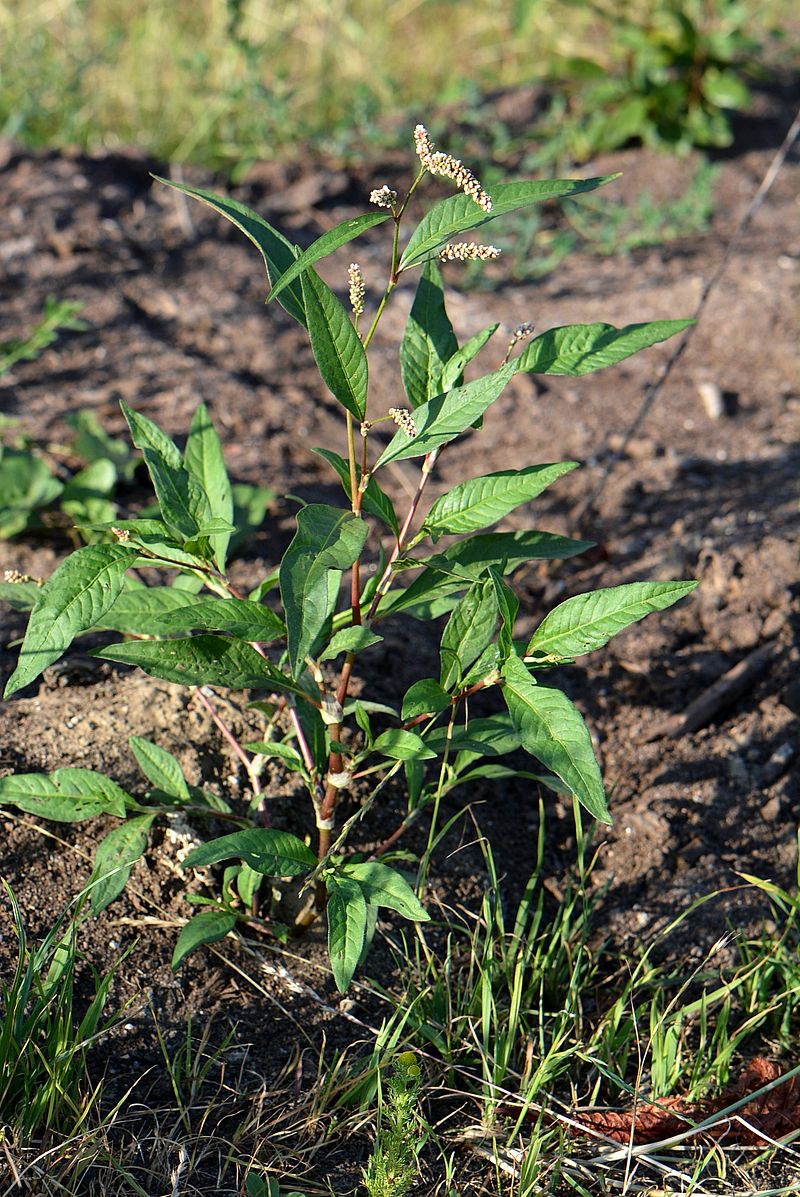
(43, 1043)
(344, 573)
(392, 1168)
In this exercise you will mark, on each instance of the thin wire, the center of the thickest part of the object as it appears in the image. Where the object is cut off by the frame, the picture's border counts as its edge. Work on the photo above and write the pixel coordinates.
(654, 389)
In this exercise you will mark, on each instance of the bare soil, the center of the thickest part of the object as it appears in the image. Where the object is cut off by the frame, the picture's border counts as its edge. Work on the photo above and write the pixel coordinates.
(174, 303)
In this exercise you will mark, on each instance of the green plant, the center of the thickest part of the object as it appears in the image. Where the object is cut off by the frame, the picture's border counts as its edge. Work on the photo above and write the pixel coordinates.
(315, 730)
(58, 315)
(673, 79)
(43, 1039)
(392, 1167)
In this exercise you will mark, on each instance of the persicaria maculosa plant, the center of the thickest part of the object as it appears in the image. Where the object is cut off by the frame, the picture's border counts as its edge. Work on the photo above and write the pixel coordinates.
(297, 637)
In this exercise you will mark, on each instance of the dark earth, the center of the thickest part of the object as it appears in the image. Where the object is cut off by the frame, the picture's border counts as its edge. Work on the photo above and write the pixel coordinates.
(173, 300)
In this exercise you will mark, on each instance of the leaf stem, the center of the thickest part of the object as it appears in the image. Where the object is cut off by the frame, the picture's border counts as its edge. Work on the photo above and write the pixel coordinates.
(385, 579)
(247, 761)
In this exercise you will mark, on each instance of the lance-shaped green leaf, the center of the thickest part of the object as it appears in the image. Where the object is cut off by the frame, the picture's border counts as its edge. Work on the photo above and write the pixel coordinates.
(428, 341)
(425, 697)
(277, 252)
(578, 349)
(336, 345)
(453, 370)
(184, 506)
(205, 464)
(116, 855)
(160, 767)
(327, 542)
(136, 611)
(401, 745)
(382, 886)
(20, 596)
(494, 735)
(147, 435)
(469, 630)
(588, 621)
(350, 640)
(552, 729)
(265, 849)
(72, 600)
(472, 556)
(209, 927)
(347, 926)
(237, 617)
(374, 500)
(508, 604)
(326, 244)
(65, 796)
(482, 501)
(443, 418)
(202, 661)
(459, 213)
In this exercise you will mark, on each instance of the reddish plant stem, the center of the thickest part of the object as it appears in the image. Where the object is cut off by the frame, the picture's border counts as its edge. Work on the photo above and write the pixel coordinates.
(255, 781)
(427, 467)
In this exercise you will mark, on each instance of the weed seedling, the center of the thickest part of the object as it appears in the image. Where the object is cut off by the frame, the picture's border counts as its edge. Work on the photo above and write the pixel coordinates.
(300, 634)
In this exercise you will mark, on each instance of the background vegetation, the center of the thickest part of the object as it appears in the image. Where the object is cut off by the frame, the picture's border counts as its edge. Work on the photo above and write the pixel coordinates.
(225, 82)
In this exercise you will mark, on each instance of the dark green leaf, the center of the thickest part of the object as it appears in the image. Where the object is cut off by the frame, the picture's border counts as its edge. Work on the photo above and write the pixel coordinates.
(460, 213)
(147, 435)
(184, 507)
(326, 244)
(493, 735)
(374, 500)
(382, 886)
(20, 596)
(402, 745)
(202, 661)
(72, 600)
(553, 731)
(204, 461)
(350, 640)
(336, 345)
(578, 349)
(277, 252)
(328, 541)
(209, 927)
(469, 630)
(237, 617)
(116, 855)
(425, 697)
(454, 369)
(472, 556)
(482, 501)
(264, 849)
(137, 611)
(428, 341)
(65, 796)
(160, 767)
(445, 417)
(508, 603)
(347, 925)
(284, 752)
(588, 621)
